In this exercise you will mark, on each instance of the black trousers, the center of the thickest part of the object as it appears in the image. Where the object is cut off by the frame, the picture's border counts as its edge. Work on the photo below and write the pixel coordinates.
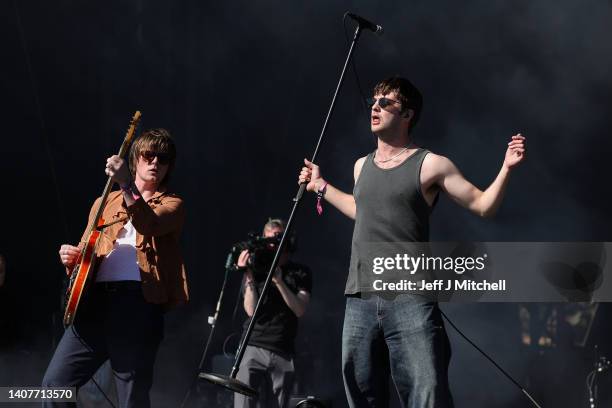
(113, 322)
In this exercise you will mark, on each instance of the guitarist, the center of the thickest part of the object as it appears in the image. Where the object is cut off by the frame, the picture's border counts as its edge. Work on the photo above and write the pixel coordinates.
(139, 273)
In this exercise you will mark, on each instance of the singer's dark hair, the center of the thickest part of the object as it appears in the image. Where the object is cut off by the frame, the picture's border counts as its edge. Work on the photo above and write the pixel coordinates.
(408, 95)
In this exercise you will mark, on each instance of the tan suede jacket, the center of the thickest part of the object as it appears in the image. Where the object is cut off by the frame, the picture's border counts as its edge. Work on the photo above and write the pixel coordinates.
(158, 223)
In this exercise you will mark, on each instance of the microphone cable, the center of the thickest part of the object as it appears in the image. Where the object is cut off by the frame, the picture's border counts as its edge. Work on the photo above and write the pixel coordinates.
(508, 376)
(364, 102)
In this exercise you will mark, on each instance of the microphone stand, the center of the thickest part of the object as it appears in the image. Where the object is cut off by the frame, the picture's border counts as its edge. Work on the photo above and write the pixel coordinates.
(230, 382)
(212, 320)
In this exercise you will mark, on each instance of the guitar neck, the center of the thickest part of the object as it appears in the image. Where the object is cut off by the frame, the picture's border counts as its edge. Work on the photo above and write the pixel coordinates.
(110, 182)
(100, 210)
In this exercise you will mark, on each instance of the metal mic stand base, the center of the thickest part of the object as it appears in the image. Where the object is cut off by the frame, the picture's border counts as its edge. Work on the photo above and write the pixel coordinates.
(230, 383)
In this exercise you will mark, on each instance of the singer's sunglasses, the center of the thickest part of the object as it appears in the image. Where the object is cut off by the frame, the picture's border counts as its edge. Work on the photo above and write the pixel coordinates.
(149, 156)
(382, 102)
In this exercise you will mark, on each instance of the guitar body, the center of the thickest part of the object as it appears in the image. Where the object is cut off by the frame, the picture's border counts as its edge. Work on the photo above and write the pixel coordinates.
(80, 275)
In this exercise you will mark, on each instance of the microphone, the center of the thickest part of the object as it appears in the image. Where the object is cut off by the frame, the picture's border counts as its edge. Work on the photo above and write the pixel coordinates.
(366, 23)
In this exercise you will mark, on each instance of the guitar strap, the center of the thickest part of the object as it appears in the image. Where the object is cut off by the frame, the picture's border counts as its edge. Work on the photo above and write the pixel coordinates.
(101, 227)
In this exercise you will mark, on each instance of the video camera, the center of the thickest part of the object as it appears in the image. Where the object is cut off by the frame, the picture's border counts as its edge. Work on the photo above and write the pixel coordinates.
(261, 253)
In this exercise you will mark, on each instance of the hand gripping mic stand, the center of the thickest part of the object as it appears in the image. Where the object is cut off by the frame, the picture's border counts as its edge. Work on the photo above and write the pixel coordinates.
(230, 382)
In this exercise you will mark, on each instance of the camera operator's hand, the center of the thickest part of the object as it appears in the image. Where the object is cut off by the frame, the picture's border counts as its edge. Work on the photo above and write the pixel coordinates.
(243, 261)
(278, 276)
(296, 301)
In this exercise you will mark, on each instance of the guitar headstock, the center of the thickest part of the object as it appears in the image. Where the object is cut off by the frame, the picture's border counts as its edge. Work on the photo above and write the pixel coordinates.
(132, 128)
(129, 135)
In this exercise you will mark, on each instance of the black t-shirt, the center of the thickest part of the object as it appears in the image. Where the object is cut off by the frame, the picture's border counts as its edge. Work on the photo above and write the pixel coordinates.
(276, 325)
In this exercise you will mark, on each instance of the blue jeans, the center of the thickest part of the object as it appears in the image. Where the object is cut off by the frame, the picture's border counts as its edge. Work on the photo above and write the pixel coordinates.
(403, 337)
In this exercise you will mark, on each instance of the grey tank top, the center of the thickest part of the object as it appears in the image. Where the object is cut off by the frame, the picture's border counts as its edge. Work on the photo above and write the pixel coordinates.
(390, 209)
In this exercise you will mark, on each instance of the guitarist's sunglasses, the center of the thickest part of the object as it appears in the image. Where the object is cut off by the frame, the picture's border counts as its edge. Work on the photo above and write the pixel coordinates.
(149, 156)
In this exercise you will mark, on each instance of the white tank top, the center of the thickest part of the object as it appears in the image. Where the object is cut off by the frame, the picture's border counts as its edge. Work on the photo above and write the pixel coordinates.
(120, 264)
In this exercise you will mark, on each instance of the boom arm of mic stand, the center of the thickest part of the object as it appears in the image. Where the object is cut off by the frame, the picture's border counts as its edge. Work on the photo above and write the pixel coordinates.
(230, 382)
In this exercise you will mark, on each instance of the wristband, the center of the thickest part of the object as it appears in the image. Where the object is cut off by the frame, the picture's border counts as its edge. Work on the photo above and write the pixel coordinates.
(320, 194)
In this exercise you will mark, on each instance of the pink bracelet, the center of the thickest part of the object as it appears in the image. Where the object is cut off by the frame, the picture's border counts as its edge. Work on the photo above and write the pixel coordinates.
(129, 188)
(320, 194)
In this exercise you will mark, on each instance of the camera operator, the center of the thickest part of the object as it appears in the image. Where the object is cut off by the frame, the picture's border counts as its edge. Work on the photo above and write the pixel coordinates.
(267, 365)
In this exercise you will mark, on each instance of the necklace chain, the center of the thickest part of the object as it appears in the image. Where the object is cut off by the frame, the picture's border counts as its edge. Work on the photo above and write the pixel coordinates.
(391, 158)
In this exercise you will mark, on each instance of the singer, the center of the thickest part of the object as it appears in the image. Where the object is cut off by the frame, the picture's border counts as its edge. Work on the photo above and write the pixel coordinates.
(139, 274)
(267, 365)
(396, 189)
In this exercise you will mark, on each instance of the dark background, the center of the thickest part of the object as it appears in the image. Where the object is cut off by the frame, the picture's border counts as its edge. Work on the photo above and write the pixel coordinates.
(244, 87)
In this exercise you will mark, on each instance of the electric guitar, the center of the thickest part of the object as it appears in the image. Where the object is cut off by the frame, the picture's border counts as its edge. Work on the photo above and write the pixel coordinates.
(85, 262)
